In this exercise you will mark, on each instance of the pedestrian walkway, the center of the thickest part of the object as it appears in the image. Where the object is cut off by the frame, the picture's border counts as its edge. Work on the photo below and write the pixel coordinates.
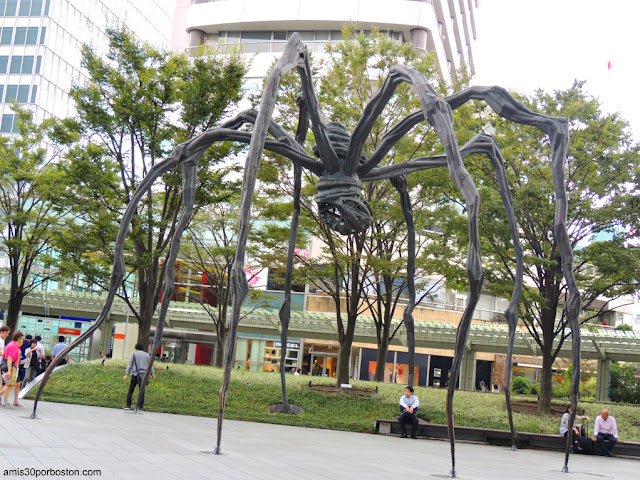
(123, 445)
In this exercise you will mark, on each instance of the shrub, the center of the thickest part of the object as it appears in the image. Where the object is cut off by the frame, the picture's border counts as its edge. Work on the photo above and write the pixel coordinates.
(625, 328)
(625, 386)
(520, 385)
(535, 389)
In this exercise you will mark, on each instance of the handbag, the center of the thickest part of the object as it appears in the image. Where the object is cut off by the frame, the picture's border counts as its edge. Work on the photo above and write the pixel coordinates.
(139, 377)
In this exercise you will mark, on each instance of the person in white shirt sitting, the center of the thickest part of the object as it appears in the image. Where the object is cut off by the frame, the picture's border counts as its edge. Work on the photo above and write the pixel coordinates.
(605, 431)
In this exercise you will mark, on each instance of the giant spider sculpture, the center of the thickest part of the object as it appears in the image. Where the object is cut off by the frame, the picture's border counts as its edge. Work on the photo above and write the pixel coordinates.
(341, 171)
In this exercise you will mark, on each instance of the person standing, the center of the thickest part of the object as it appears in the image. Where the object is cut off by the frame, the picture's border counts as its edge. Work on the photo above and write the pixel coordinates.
(33, 357)
(409, 404)
(58, 348)
(137, 366)
(41, 366)
(4, 333)
(12, 358)
(605, 431)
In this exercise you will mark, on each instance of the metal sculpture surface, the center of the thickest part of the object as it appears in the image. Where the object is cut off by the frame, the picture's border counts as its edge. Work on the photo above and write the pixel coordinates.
(341, 171)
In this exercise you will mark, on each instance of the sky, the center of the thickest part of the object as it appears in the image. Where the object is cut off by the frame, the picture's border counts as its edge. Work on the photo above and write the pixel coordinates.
(524, 45)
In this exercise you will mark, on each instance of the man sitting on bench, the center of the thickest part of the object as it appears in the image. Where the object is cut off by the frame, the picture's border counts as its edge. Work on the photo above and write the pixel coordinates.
(408, 406)
(605, 431)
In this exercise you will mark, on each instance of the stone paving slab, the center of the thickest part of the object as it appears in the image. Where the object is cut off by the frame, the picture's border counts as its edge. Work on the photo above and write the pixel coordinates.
(123, 445)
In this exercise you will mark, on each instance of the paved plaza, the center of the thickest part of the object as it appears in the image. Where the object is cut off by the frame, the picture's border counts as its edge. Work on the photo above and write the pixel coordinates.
(157, 446)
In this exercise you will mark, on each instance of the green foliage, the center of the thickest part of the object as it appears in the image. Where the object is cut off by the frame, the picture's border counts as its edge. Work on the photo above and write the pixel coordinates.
(625, 328)
(193, 390)
(602, 180)
(138, 104)
(520, 385)
(28, 176)
(625, 383)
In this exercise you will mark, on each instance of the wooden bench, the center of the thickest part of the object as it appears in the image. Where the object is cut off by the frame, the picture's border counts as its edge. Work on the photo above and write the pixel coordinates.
(489, 435)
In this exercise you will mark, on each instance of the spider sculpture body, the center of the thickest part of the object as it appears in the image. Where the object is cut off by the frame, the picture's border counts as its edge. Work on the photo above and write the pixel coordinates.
(342, 170)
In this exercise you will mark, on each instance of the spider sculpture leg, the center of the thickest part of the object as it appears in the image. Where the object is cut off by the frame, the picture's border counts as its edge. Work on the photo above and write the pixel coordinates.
(487, 144)
(285, 309)
(438, 113)
(180, 155)
(189, 180)
(184, 153)
(400, 184)
(291, 58)
(557, 129)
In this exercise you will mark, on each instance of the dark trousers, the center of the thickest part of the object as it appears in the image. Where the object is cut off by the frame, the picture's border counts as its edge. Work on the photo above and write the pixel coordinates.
(132, 387)
(603, 438)
(408, 418)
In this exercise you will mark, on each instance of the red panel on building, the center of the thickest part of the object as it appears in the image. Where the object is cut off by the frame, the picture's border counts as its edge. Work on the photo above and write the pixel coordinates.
(203, 354)
(209, 293)
(69, 331)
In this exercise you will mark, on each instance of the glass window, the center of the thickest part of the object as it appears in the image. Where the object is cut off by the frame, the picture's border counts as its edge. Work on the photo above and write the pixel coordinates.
(3, 4)
(5, 37)
(1, 92)
(12, 93)
(25, 6)
(46, 7)
(16, 64)
(4, 61)
(36, 8)
(34, 91)
(27, 64)
(11, 8)
(322, 35)
(307, 36)
(23, 93)
(38, 64)
(279, 35)
(233, 37)
(21, 35)
(32, 35)
(255, 37)
(7, 123)
(42, 34)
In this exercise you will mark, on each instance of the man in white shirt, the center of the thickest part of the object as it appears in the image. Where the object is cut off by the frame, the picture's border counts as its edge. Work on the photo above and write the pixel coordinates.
(409, 404)
(605, 432)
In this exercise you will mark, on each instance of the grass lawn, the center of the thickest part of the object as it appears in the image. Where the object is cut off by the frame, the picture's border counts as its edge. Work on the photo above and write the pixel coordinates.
(193, 390)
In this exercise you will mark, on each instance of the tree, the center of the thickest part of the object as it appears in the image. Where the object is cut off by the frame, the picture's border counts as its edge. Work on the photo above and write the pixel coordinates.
(140, 102)
(210, 250)
(602, 185)
(28, 172)
(354, 266)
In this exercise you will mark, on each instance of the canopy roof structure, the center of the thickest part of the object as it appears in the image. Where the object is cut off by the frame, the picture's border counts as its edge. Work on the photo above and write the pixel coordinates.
(604, 344)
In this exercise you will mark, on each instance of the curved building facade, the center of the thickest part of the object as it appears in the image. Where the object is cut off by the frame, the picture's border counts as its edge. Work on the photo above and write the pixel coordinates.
(445, 27)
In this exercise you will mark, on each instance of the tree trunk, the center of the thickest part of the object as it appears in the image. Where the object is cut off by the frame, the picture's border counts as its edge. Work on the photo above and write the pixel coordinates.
(221, 341)
(220, 345)
(13, 311)
(344, 356)
(546, 378)
(381, 360)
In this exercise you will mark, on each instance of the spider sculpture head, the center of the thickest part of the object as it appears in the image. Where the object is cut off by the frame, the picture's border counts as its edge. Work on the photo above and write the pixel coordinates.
(340, 202)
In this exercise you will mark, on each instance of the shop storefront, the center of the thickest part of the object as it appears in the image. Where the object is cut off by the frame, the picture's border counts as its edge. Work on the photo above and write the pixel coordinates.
(262, 353)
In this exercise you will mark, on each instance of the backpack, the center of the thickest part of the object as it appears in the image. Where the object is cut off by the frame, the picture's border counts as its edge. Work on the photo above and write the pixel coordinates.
(583, 445)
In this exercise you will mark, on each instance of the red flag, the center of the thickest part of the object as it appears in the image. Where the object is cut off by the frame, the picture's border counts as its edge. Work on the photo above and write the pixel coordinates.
(609, 65)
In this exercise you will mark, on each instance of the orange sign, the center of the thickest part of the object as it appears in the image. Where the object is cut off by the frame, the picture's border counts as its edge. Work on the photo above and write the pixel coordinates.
(119, 336)
(69, 331)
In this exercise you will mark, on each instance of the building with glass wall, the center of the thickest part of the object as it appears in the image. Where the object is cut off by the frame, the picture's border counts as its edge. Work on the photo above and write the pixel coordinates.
(40, 60)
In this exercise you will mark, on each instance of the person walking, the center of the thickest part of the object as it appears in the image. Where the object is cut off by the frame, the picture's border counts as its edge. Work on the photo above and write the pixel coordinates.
(58, 348)
(12, 362)
(137, 366)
